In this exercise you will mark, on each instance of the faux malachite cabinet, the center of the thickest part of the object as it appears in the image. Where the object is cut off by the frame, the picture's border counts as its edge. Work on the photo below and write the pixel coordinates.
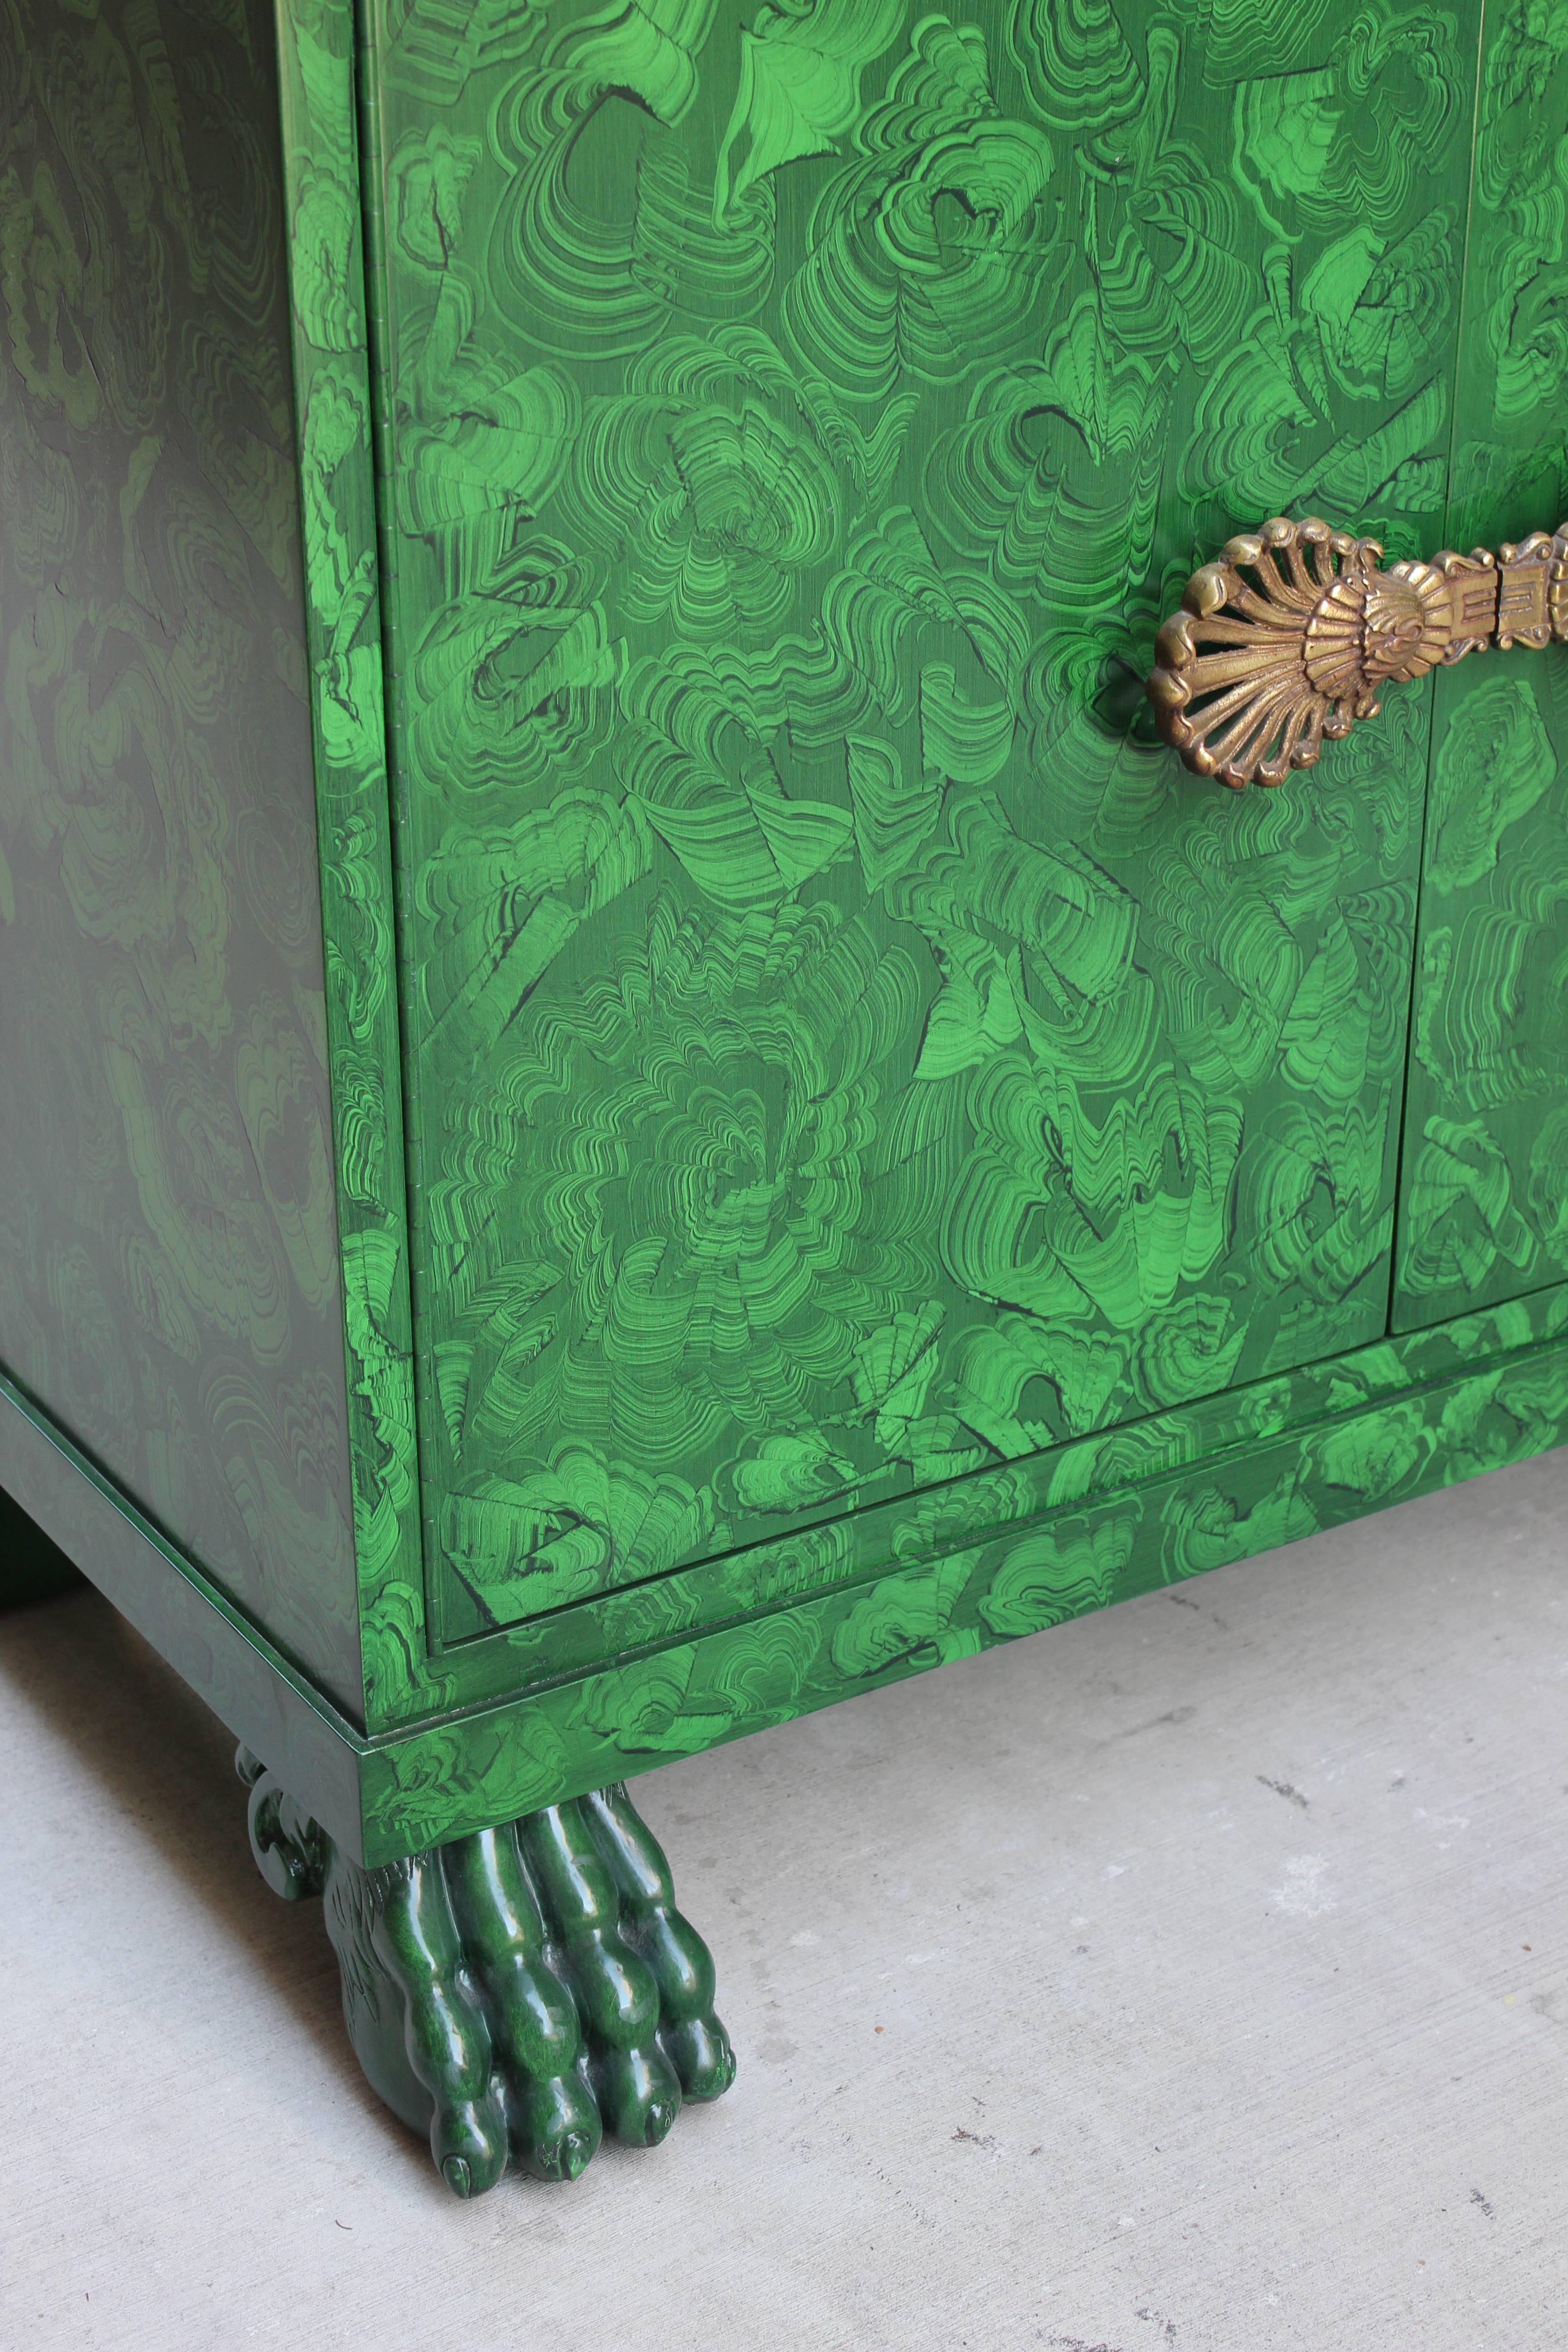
(637, 1094)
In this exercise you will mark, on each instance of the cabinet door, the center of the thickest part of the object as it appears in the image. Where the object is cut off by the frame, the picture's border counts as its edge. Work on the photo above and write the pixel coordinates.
(844, 1051)
(1484, 1192)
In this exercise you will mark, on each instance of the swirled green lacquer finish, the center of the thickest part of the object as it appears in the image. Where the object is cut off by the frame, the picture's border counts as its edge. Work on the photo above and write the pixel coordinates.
(1484, 1205)
(169, 1286)
(333, 399)
(670, 1668)
(516, 1993)
(843, 1053)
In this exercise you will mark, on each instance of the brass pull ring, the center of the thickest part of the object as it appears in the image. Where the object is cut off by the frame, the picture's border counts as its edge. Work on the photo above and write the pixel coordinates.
(1292, 635)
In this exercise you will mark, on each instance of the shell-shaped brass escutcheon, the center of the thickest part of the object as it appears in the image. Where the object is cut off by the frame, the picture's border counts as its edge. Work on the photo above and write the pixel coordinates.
(1292, 635)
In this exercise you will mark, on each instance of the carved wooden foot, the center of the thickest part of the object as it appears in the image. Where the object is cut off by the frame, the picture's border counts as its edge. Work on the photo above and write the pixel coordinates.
(516, 1993)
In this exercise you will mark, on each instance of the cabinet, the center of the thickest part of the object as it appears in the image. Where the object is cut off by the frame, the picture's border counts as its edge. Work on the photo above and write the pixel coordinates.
(637, 1097)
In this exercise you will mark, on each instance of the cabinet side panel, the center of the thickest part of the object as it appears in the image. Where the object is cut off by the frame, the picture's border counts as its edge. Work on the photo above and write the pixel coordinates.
(169, 1288)
(1484, 1191)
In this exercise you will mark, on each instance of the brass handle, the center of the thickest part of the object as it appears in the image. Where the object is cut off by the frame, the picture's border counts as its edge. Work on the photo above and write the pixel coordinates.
(1303, 647)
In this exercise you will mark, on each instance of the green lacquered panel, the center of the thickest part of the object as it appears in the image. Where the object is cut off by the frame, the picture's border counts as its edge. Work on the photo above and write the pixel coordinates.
(841, 1055)
(1484, 1205)
(1197, 1487)
(334, 398)
(1301, 1453)
(168, 1258)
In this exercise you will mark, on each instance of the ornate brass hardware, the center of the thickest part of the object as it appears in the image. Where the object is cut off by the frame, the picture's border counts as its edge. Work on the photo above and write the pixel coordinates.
(1290, 637)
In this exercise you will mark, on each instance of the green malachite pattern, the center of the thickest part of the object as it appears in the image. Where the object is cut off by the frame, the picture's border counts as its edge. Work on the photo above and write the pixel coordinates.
(691, 1661)
(842, 1054)
(1258, 1465)
(333, 396)
(1485, 1199)
(838, 1151)
(169, 1285)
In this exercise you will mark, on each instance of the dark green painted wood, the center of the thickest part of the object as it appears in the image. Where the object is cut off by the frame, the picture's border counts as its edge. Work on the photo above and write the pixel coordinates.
(31, 1567)
(516, 1994)
(169, 1279)
(260, 1694)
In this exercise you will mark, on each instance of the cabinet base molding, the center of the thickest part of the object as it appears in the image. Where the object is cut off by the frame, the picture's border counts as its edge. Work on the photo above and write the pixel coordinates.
(515, 1994)
(707, 1654)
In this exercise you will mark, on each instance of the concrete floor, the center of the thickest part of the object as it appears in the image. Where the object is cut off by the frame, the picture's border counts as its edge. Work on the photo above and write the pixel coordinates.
(1195, 1975)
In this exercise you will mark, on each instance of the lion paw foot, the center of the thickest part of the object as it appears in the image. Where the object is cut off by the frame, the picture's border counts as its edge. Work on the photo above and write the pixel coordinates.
(516, 1993)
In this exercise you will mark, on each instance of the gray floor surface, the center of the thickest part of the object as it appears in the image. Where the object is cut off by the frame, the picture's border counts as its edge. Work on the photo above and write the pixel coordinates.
(1195, 1975)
